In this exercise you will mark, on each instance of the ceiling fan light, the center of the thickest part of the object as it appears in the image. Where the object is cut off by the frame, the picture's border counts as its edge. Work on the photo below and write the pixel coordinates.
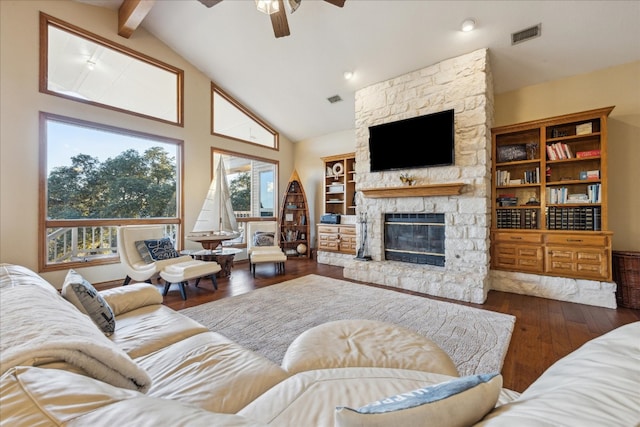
(468, 24)
(268, 6)
(294, 4)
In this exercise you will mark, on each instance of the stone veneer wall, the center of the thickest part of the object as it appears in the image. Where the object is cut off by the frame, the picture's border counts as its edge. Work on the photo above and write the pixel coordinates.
(464, 84)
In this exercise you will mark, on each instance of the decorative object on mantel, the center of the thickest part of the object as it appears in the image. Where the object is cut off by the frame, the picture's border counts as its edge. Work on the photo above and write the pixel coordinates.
(407, 179)
(448, 189)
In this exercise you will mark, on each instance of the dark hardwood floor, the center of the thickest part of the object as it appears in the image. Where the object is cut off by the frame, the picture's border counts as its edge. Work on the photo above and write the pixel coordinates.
(545, 330)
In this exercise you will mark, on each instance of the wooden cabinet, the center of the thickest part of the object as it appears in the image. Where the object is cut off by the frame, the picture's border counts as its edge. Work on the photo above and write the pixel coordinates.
(337, 238)
(340, 184)
(522, 252)
(294, 220)
(549, 208)
(577, 255)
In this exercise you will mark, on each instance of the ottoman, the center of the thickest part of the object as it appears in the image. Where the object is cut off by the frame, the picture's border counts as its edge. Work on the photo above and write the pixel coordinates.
(276, 257)
(185, 271)
(365, 343)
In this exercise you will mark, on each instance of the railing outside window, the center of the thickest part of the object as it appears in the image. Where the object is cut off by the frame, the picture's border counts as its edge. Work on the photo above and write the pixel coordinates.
(84, 244)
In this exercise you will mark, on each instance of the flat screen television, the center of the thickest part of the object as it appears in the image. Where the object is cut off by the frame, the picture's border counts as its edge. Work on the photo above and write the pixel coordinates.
(418, 142)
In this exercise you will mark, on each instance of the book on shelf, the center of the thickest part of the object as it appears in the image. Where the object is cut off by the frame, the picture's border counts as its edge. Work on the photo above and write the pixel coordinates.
(557, 195)
(574, 218)
(531, 176)
(594, 174)
(594, 193)
(584, 128)
(559, 151)
(588, 153)
(517, 218)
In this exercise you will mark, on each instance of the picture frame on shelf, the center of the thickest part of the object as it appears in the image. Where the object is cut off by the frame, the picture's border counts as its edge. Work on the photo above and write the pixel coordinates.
(511, 153)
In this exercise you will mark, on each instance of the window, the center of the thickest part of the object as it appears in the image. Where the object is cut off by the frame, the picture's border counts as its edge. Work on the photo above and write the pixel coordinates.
(84, 67)
(232, 120)
(97, 177)
(252, 183)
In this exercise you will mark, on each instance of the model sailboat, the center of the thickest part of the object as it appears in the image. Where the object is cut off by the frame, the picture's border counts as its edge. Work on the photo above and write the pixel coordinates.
(217, 221)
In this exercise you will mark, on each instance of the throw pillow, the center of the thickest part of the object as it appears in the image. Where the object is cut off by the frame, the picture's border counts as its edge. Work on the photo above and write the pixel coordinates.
(141, 246)
(458, 402)
(263, 238)
(88, 300)
(160, 249)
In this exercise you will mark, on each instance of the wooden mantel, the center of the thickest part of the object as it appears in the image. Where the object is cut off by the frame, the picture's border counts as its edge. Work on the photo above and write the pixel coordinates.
(448, 189)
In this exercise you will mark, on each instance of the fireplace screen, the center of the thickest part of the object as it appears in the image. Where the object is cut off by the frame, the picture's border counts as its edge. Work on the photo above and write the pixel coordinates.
(414, 238)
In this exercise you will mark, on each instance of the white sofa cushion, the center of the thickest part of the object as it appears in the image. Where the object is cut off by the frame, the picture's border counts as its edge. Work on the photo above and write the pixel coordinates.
(596, 385)
(311, 398)
(457, 402)
(34, 397)
(210, 371)
(123, 299)
(150, 328)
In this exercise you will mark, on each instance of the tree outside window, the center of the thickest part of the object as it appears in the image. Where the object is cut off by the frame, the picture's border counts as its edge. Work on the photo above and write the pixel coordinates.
(99, 177)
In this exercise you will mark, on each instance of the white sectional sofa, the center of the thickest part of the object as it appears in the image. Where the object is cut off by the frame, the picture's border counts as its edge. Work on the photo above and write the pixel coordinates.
(160, 368)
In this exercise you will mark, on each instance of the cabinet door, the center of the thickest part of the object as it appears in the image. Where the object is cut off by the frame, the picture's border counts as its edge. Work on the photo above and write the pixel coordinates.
(579, 262)
(328, 242)
(510, 256)
(347, 240)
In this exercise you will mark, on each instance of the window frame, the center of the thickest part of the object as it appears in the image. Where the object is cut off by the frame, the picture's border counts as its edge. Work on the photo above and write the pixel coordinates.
(276, 165)
(215, 89)
(44, 223)
(48, 20)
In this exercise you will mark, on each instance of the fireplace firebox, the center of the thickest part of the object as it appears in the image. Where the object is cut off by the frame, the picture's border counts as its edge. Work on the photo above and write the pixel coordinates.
(416, 238)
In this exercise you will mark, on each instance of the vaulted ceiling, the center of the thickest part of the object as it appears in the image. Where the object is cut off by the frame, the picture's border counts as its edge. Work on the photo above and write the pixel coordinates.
(287, 80)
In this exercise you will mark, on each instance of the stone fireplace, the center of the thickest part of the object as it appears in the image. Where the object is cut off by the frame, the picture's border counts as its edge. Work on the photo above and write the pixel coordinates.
(460, 272)
(460, 193)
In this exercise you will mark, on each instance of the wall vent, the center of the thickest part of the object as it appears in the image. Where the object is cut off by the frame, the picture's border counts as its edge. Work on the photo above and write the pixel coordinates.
(333, 99)
(526, 34)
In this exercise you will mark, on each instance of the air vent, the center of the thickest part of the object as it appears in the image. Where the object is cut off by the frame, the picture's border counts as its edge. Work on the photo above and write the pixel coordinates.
(333, 99)
(526, 34)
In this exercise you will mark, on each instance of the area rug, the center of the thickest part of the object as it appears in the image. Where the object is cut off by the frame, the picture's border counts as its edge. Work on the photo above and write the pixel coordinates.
(267, 320)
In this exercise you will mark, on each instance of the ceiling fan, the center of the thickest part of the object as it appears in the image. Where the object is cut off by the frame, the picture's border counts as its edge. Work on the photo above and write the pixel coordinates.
(278, 15)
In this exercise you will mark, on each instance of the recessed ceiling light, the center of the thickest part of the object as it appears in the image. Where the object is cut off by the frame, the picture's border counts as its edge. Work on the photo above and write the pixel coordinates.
(348, 75)
(468, 24)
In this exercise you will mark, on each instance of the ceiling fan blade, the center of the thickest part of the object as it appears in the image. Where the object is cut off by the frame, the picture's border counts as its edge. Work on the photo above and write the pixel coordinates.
(338, 3)
(279, 22)
(209, 3)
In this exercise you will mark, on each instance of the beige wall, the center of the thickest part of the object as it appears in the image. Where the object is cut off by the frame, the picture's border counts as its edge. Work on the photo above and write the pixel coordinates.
(20, 103)
(619, 86)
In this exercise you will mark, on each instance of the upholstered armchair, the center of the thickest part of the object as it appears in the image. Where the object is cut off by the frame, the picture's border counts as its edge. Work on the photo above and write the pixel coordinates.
(263, 245)
(172, 268)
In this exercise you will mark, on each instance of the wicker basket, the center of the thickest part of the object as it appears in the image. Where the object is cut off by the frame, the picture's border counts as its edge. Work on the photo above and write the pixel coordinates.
(626, 274)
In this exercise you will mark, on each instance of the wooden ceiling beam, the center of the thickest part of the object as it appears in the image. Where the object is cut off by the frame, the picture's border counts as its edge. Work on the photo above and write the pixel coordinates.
(130, 15)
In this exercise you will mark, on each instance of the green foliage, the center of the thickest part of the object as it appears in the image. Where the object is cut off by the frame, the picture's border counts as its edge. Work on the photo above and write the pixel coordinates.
(129, 185)
(240, 189)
